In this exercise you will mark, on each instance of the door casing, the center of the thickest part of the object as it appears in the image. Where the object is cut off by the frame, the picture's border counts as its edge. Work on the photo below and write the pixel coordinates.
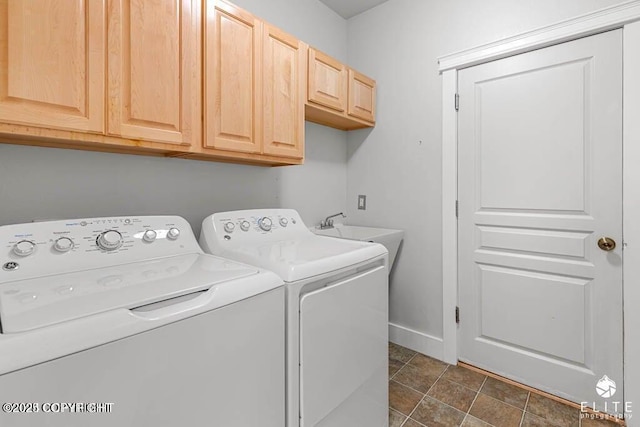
(625, 16)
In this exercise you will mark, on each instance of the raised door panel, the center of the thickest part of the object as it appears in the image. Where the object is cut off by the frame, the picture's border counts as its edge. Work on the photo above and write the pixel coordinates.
(233, 90)
(362, 96)
(327, 81)
(52, 63)
(283, 86)
(154, 82)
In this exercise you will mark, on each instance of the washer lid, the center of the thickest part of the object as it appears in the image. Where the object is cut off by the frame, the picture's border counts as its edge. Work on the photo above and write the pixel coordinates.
(306, 257)
(35, 303)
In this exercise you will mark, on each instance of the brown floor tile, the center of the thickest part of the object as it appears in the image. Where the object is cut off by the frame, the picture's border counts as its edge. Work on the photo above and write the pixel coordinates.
(453, 394)
(555, 412)
(464, 376)
(495, 412)
(412, 423)
(531, 420)
(588, 422)
(394, 366)
(428, 365)
(507, 393)
(400, 353)
(470, 421)
(433, 413)
(402, 398)
(413, 377)
(396, 418)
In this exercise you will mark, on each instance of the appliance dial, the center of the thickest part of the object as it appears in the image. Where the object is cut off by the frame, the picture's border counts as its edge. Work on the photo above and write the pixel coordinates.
(63, 244)
(265, 223)
(173, 233)
(110, 240)
(244, 225)
(229, 227)
(24, 248)
(149, 236)
(284, 222)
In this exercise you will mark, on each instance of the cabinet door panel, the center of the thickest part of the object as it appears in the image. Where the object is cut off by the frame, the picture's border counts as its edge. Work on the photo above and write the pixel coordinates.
(232, 79)
(52, 63)
(362, 96)
(327, 81)
(153, 70)
(283, 87)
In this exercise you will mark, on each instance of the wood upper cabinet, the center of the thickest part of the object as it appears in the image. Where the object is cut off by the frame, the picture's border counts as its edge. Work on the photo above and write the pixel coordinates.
(154, 70)
(327, 81)
(255, 77)
(233, 86)
(52, 63)
(284, 87)
(338, 96)
(362, 96)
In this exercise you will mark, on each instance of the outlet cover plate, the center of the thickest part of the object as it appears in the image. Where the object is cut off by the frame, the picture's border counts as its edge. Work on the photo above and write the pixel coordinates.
(362, 202)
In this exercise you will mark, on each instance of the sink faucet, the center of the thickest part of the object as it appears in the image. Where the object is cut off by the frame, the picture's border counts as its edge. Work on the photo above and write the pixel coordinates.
(328, 222)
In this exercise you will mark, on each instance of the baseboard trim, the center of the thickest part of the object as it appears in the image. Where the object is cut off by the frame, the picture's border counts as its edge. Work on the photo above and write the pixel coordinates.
(416, 341)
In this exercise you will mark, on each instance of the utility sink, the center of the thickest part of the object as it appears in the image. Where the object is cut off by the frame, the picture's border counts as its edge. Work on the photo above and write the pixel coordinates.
(387, 237)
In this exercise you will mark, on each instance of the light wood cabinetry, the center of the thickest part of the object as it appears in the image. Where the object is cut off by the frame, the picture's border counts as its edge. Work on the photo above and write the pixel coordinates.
(254, 78)
(362, 96)
(327, 81)
(284, 86)
(233, 88)
(153, 76)
(337, 95)
(52, 67)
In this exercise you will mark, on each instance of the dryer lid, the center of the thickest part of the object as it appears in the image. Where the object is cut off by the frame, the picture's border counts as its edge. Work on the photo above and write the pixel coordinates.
(303, 258)
(35, 303)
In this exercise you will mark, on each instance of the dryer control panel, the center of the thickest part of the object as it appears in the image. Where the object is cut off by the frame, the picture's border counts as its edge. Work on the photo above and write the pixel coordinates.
(255, 226)
(44, 248)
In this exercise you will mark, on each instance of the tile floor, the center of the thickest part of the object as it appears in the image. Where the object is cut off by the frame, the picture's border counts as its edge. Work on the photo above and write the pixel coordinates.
(426, 392)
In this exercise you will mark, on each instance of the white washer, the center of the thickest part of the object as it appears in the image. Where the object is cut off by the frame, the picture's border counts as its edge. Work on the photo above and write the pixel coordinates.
(337, 313)
(128, 311)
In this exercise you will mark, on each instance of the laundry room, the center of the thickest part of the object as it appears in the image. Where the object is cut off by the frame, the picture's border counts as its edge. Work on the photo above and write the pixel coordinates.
(422, 205)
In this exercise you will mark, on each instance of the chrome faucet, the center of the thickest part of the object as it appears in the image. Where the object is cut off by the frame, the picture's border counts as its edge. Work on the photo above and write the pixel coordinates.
(328, 222)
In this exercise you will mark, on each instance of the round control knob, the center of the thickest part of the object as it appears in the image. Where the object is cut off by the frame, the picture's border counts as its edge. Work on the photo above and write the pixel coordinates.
(265, 223)
(24, 248)
(284, 222)
(173, 233)
(229, 227)
(63, 244)
(244, 225)
(109, 240)
(149, 236)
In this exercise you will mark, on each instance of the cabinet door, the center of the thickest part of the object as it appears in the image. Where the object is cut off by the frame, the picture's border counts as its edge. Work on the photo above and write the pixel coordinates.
(327, 81)
(52, 63)
(362, 96)
(233, 90)
(154, 78)
(284, 88)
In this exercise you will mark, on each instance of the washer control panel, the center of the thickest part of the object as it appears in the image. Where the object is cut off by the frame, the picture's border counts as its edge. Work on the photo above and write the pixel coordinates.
(44, 248)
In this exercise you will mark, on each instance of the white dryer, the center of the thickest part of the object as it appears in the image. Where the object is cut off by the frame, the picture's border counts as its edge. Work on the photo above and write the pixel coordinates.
(337, 313)
(125, 322)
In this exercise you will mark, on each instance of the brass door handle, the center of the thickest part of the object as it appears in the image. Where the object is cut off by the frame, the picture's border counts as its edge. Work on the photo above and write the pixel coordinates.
(606, 244)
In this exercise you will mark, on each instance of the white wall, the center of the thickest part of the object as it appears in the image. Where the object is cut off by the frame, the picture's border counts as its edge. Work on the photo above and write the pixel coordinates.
(41, 183)
(398, 164)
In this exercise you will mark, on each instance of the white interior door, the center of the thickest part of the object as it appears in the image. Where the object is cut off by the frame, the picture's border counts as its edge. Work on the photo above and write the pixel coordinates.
(540, 182)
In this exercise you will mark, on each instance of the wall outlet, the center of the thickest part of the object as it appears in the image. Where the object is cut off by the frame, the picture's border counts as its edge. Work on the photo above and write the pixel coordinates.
(362, 202)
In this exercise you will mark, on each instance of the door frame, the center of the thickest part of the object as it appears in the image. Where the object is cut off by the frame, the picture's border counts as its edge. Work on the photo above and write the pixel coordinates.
(625, 16)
